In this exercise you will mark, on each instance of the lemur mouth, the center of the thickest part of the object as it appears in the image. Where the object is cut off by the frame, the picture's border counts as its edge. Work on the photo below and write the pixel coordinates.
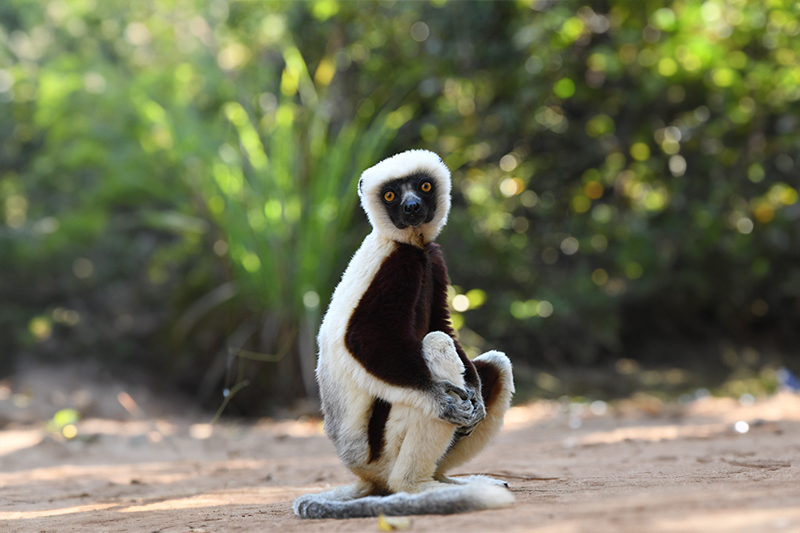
(411, 220)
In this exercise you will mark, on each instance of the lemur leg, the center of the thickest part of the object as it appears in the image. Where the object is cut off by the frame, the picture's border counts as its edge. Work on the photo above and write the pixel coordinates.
(424, 443)
(497, 386)
(425, 440)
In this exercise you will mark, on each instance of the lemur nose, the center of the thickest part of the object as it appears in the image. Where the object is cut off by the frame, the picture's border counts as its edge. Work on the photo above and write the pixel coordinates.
(411, 207)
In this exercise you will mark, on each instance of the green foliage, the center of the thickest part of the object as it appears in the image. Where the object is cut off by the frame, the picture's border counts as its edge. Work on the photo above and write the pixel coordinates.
(285, 199)
(625, 174)
(103, 226)
(617, 175)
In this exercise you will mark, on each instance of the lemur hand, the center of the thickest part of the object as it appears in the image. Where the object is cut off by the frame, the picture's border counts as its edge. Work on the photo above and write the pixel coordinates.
(458, 412)
(478, 414)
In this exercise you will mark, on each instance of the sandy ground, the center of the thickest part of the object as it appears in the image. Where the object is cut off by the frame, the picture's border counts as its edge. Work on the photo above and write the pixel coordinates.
(157, 466)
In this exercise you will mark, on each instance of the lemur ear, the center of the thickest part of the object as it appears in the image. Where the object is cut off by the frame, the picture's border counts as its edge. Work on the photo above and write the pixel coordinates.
(360, 190)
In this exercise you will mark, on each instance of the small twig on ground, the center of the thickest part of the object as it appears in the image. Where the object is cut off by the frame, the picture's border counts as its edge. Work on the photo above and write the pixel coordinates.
(236, 388)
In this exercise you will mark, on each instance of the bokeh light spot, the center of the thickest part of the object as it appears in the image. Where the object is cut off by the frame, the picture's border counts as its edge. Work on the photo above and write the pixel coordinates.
(634, 270)
(593, 190)
(251, 262)
(544, 309)
(744, 225)
(41, 328)
(82, 268)
(564, 88)
(640, 151)
(508, 162)
(677, 165)
(570, 246)
(420, 31)
(580, 204)
(667, 67)
(511, 186)
(311, 300)
(723, 77)
(476, 297)
(461, 303)
(324, 9)
(602, 213)
(600, 276)
(755, 173)
(529, 198)
(599, 243)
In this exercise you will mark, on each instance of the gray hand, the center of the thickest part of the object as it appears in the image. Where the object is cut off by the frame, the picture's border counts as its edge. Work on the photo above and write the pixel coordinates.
(478, 414)
(458, 412)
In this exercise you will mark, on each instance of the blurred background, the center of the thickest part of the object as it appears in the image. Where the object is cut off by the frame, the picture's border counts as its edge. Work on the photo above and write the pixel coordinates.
(177, 186)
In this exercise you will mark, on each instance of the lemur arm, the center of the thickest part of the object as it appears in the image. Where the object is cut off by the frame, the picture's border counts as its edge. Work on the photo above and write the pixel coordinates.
(440, 311)
(440, 321)
(381, 336)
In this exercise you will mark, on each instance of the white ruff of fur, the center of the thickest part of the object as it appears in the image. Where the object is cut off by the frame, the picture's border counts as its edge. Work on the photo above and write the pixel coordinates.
(400, 166)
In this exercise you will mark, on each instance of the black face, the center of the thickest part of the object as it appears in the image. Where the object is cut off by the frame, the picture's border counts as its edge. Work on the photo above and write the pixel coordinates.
(410, 201)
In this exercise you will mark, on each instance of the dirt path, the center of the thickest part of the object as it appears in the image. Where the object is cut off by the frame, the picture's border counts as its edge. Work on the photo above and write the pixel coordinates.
(641, 466)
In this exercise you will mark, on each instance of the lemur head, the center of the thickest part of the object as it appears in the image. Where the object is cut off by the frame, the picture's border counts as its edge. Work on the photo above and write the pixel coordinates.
(407, 196)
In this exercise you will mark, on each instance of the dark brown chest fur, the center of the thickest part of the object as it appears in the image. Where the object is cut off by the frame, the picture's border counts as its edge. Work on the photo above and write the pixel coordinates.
(422, 308)
(406, 300)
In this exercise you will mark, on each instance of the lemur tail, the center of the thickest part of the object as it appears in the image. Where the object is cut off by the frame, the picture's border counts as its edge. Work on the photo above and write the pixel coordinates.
(448, 500)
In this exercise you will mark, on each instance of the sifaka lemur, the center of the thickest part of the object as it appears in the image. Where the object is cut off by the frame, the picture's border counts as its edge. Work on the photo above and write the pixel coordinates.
(402, 402)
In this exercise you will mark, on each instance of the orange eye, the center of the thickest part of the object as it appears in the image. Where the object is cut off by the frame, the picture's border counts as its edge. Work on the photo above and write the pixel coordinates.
(388, 196)
(426, 186)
